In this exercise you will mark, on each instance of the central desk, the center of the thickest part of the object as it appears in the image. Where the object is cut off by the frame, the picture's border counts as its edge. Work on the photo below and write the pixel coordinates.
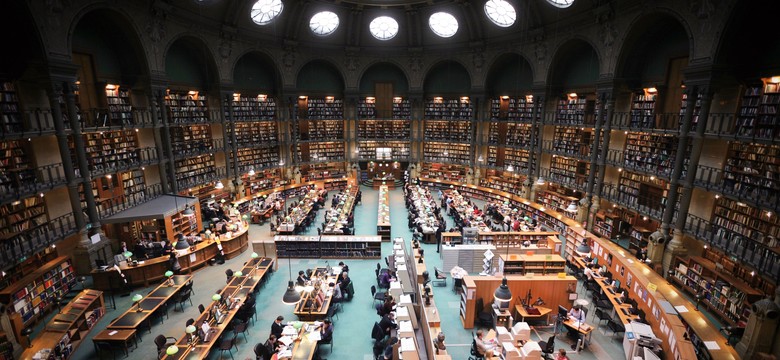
(305, 313)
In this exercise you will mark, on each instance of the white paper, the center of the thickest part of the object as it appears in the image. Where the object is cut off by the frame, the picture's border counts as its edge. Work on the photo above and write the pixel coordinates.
(315, 336)
(711, 345)
(193, 258)
(286, 340)
(407, 344)
(112, 333)
(681, 308)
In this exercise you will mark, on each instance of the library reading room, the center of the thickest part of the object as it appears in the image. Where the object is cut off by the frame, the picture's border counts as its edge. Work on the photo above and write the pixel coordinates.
(390, 179)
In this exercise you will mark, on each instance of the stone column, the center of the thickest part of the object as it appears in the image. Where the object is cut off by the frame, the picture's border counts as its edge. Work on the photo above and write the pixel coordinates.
(760, 330)
(601, 166)
(164, 163)
(675, 246)
(535, 150)
(230, 142)
(159, 93)
(584, 210)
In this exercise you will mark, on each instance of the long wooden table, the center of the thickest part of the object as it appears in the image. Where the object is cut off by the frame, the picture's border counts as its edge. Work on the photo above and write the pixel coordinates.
(152, 270)
(305, 313)
(335, 225)
(294, 220)
(618, 307)
(383, 214)
(132, 318)
(238, 289)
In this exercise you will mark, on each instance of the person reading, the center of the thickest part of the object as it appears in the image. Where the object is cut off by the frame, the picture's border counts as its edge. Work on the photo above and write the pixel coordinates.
(484, 348)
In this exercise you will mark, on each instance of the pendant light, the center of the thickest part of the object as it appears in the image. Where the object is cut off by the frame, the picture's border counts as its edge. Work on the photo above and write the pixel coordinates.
(572, 207)
(291, 296)
(251, 172)
(219, 185)
(502, 292)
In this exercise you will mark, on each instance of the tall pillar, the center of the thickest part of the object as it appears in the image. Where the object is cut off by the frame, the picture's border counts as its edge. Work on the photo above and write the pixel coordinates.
(585, 203)
(163, 161)
(230, 141)
(159, 93)
(675, 246)
(760, 330)
(601, 166)
(535, 150)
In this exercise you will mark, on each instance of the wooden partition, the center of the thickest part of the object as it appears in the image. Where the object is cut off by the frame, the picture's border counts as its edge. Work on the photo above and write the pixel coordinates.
(667, 324)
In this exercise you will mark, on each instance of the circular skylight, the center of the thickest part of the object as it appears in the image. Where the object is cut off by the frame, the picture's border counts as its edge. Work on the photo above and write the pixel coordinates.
(561, 3)
(264, 11)
(324, 23)
(443, 24)
(383, 28)
(500, 12)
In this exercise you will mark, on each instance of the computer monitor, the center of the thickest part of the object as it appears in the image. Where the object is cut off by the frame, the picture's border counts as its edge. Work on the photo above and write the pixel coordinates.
(501, 305)
(616, 284)
(562, 312)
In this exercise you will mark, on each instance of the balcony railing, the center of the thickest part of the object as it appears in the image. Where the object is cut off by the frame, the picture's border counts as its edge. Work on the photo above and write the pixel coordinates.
(663, 123)
(645, 205)
(188, 182)
(581, 152)
(25, 244)
(112, 206)
(45, 177)
(574, 183)
(717, 180)
(618, 158)
(100, 119)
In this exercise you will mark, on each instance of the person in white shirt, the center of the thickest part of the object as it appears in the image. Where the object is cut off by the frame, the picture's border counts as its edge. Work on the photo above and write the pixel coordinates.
(577, 314)
(588, 272)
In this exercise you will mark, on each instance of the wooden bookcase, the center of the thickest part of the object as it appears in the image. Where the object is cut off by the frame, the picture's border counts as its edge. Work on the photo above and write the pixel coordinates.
(181, 224)
(643, 190)
(30, 298)
(558, 199)
(120, 109)
(320, 108)
(606, 225)
(108, 150)
(6, 347)
(534, 264)
(573, 141)
(186, 107)
(319, 130)
(509, 134)
(328, 246)
(752, 169)
(503, 157)
(575, 110)
(696, 109)
(16, 165)
(134, 185)
(253, 108)
(321, 151)
(504, 181)
(653, 153)
(443, 171)
(190, 139)
(448, 130)
(643, 110)
(323, 171)
(638, 238)
(23, 217)
(196, 169)
(10, 112)
(513, 109)
(69, 328)
(256, 133)
(398, 149)
(565, 170)
(402, 108)
(262, 180)
(366, 108)
(727, 296)
(257, 158)
(447, 152)
(758, 113)
(439, 108)
(393, 129)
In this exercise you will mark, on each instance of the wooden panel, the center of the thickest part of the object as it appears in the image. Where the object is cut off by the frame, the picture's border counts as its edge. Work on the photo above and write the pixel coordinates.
(384, 99)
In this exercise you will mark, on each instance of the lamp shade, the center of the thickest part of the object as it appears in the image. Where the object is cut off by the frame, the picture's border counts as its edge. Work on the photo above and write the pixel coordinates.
(238, 273)
(127, 254)
(216, 297)
(190, 329)
(189, 212)
(540, 181)
(172, 350)
(254, 255)
(583, 248)
(297, 325)
(219, 185)
(502, 292)
(137, 297)
(291, 296)
(572, 207)
(251, 172)
(168, 273)
(182, 244)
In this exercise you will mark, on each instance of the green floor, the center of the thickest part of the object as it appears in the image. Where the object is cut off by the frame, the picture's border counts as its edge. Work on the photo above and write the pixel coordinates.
(353, 326)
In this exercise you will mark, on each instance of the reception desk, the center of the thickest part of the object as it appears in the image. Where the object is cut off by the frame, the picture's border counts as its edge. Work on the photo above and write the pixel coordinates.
(152, 270)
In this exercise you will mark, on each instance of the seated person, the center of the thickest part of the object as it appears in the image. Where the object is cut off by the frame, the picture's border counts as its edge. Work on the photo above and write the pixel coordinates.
(577, 314)
(384, 279)
(388, 322)
(273, 345)
(326, 330)
(387, 354)
(561, 355)
(344, 267)
(302, 278)
(588, 271)
(336, 296)
(484, 348)
(388, 306)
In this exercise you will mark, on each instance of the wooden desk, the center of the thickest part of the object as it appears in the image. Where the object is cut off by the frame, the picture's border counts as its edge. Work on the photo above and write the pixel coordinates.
(320, 313)
(238, 289)
(152, 270)
(379, 182)
(383, 225)
(122, 337)
(132, 318)
(522, 314)
(618, 307)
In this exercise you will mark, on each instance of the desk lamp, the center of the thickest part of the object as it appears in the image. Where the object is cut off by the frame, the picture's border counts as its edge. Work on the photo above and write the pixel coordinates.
(137, 301)
(669, 274)
(26, 333)
(172, 350)
(190, 330)
(169, 275)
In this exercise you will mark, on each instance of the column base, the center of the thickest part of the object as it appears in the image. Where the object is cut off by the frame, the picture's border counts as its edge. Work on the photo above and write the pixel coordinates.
(586, 213)
(85, 254)
(674, 249)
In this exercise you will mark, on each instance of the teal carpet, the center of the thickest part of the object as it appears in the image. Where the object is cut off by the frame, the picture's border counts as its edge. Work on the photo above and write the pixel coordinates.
(352, 338)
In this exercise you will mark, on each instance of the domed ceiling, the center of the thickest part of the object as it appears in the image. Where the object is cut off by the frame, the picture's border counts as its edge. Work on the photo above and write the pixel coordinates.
(389, 25)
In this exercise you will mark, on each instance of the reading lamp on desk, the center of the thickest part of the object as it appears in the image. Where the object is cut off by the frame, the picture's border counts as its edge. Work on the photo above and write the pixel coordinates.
(137, 301)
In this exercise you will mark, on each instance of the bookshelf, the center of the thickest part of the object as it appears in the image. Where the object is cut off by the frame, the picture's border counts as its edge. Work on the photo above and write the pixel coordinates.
(448, 130)
(262, 180)
(514, 264)
(366, 108)
(575, 110)
(653, 153)
(384, 129)
(565, 170)
(328, 246)
(319, 130)
(439, 108)
(10, 111)
(253, 108)
(402, 108)
(398, 150)
(727, 296)
(16, 167)
(23, 217)
(558, 199)
(510, 134)
(320, 108)
(321, 151)
(447, 152)
(120, 110)
(737, 225)
(512, 109)
(643, 109)
(6, 347)
(256, 133)
(251, 158)
(133, 185)
(752, 169)
(696, 109)
(190, 139)
(573, 141)
(643, 190)
(32, 297)
(69, 328)
(194, 170)
(108, 150)
(504, 181)
(179, 223)
(322, 171)
(757, 115)
(206, 193)
(606, 225)
(638, 238)
(186, 107)
(504, 157)
(443, 171)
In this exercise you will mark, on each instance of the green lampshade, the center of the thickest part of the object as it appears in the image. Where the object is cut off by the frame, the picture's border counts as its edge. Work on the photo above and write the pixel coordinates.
(169, 273)
(245, 216)
(254, 255)
(127, 254)
(506, 202)
(238, 273)
(297, 325)
(172, 350)
(208, 232)
(190, 329)
(137, 297)
(216, 297)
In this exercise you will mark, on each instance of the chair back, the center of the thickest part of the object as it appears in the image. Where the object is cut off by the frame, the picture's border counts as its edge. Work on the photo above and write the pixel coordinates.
(373, 290)
(261, 352)
(159, 341)
(189, 322)
(201, 308)
(550, 345)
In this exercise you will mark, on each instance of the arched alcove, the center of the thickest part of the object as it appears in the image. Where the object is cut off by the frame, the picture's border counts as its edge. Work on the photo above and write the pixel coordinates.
(22, 39)
(653, 43)
(574, 66)
(511, 75)
(447, 78)
(189, 62)
(749, 46)
(256, 71)
(320, 77)
(384, 73)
